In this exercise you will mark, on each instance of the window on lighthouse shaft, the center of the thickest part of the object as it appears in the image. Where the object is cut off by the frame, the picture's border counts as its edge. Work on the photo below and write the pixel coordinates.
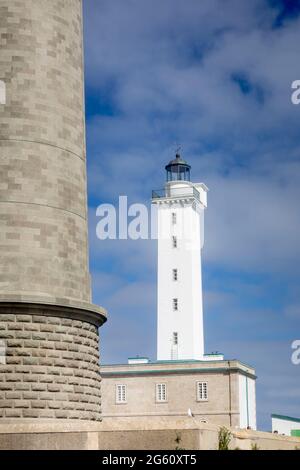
(174, 241)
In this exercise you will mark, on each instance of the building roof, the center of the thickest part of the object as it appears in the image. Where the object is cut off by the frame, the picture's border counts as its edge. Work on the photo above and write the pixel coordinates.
(177, 367)
(286, 418)
(178, 161)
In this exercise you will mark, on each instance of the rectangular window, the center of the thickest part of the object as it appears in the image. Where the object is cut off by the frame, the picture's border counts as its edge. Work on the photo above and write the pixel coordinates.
(175, 305)
(161, 392)
(202, 394)
(175, 275)
(175, 339)
(121, 394)
(174, 218)
(174, 241)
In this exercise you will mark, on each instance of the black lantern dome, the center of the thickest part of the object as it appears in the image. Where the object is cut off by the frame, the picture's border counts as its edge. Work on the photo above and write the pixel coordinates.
(178, 170)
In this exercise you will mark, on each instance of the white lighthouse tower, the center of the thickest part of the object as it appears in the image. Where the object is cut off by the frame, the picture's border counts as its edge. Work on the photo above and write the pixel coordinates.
(180, 212)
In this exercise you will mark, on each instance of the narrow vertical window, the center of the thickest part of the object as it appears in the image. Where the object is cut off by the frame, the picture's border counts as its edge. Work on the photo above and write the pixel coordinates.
(121, 394)
(174, 218)
(174, 241)
(175, 275)
(161, 392)
(202, 393)
(175, 304)
(175, 339)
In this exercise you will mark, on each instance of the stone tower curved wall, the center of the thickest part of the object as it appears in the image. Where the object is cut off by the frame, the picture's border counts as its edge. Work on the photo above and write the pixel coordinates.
(43, 209)
(44, 272)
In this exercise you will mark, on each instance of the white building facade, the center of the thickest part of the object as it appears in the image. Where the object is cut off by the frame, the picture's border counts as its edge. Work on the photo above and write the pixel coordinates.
(180, 212)
(286, 425)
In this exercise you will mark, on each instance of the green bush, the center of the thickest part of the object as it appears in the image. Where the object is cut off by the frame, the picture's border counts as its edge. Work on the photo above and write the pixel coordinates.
(224, 438)
(254, 447)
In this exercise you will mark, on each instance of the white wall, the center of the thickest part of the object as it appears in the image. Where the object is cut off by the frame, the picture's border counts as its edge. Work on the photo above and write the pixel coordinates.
(186, 258)
(247, 402)
(284, 426)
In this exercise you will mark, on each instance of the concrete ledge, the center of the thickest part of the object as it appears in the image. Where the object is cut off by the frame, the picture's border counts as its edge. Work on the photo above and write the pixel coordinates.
(63, 435)
(131, 434)
(63, 308)
(49, 435)
(30, 426)
(245, 439)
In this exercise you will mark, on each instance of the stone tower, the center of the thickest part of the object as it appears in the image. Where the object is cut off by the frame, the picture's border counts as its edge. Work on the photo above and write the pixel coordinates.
(180, 210)
(48, 325)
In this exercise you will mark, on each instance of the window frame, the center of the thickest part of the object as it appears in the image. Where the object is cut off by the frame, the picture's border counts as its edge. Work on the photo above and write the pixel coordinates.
(118, 394)
(204, 385)
(175, 274)
(158, 392)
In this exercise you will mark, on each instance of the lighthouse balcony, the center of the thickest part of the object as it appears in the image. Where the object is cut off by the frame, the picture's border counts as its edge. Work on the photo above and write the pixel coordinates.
(176, 193)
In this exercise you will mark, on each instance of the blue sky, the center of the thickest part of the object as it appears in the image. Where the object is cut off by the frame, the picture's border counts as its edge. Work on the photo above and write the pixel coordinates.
(215, 76)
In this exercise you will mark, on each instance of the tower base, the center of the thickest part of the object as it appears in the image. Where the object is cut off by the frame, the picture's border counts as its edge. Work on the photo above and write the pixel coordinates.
(49, 366)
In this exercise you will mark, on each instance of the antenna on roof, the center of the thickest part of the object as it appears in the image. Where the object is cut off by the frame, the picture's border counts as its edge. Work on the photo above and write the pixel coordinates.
(178, 149)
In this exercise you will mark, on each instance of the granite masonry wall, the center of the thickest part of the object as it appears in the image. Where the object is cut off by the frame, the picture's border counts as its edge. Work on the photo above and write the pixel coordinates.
(51, 368)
